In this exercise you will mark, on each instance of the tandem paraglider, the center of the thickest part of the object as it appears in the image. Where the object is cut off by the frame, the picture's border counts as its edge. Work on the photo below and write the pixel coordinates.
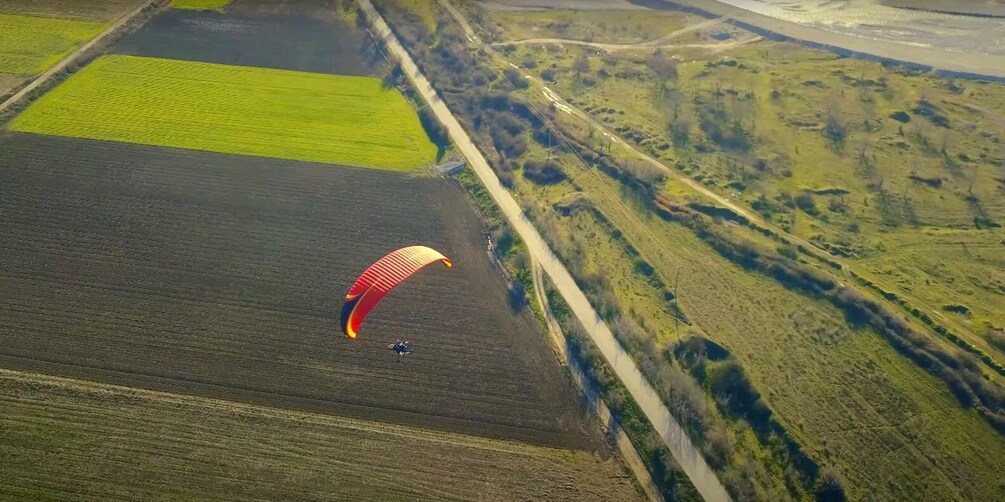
(378, 280)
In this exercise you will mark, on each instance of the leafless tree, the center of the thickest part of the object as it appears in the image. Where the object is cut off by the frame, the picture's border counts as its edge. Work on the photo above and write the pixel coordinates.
(581, 65)
(663, 67)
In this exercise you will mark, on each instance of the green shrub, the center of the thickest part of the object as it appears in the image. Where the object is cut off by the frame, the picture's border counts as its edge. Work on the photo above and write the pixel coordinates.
(546, 172)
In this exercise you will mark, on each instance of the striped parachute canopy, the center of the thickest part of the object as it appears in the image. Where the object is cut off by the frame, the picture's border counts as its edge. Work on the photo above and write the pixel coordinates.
(380, 278)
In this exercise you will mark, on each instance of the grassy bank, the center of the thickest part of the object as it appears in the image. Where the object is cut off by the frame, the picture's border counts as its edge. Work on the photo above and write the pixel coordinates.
(838, 393)
(875, 165)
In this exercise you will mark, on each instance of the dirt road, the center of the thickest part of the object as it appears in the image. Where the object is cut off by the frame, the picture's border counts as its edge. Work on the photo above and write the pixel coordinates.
(663, 42)
(599, 408)
(629, 47)
(673, 435)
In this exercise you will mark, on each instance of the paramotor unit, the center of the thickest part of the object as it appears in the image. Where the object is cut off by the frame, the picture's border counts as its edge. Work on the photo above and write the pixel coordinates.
(380, 278)
(402, 348)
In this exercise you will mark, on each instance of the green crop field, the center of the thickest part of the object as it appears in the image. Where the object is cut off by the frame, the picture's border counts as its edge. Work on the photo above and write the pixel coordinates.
(199, 4)
(343, 120)
(31, 45)
(84, 10)
(63, 439)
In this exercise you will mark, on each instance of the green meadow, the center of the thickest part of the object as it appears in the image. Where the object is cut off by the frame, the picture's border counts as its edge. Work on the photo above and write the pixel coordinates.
(352, 121)
(898, 173)
(895, 172)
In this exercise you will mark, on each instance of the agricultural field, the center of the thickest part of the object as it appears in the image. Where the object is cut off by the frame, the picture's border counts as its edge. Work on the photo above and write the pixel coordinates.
(179, 222)
(199, 4)
(107, 440)
(39, 33)
(347, 120)
(82, 10)
(223, 276)
(32, 44)
(305, 36)
(855, 157)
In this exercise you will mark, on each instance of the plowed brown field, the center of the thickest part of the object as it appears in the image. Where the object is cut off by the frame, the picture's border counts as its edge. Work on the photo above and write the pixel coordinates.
(305, 35)
(63, 439)
(222, 276)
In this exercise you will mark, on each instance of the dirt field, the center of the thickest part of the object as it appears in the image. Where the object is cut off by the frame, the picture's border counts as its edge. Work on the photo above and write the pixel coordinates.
(222, 276)
(87, 10)
(8, 82)
(305, 36)
(112, 442)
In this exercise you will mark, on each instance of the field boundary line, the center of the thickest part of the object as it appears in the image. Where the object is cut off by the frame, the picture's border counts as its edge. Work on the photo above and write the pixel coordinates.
(630, 455)
(673, 435)
(60, 66)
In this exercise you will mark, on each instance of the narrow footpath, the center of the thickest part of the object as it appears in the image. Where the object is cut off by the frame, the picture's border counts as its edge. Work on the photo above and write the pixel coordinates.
(593, 397)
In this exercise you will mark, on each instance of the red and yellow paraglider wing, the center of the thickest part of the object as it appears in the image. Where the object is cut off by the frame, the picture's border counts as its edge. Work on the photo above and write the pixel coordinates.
(380, 278)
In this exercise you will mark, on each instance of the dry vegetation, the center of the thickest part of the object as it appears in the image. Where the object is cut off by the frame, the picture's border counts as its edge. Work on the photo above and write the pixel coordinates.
(9, 82)
(853, 157)
(801, 392)
(590, 26)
